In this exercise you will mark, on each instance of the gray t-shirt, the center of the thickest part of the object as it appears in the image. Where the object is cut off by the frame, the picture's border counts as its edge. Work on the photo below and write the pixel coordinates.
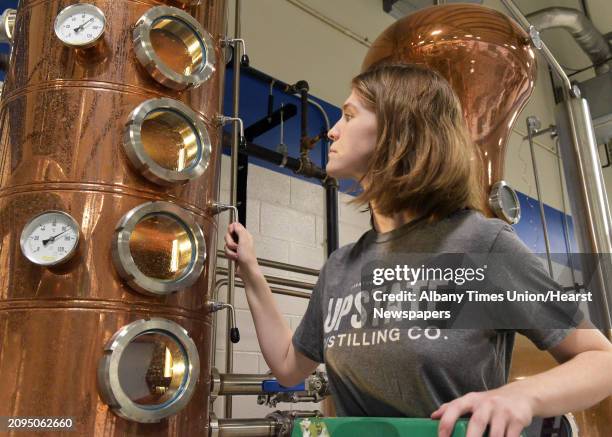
(378, 372)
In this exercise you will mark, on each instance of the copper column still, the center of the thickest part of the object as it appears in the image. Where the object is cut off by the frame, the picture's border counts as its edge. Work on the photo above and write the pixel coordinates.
(65, 116)
(488, 60)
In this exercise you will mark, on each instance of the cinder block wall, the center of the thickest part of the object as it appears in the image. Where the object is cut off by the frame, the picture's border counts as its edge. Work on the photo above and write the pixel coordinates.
(287, 219)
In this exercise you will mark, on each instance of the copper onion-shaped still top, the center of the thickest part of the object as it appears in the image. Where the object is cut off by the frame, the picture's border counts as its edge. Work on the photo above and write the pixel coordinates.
(484, 55)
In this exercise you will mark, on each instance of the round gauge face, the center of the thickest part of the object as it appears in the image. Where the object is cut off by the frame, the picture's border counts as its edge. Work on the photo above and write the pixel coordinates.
(80, 25)
(50, 238)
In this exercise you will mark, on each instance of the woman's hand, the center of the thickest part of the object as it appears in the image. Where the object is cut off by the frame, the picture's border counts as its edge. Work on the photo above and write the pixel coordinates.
(505, 410)
(242, 251)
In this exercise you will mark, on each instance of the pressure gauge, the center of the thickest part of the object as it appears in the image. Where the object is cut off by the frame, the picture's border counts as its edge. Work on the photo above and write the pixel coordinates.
(80, 25)
(50, 238)
(505, 203)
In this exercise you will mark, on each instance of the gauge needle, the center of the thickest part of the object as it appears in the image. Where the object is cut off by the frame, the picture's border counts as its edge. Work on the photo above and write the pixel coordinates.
(82, 26)
(52, 239)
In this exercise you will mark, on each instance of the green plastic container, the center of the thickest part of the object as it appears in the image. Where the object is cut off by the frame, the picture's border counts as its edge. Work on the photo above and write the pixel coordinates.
(376, 427)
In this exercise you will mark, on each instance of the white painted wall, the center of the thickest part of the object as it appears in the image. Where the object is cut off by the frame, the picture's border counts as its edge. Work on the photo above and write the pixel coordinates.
(286, 215)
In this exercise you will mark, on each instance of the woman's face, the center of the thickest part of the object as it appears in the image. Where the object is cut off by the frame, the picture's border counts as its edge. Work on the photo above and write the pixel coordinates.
(354, 138)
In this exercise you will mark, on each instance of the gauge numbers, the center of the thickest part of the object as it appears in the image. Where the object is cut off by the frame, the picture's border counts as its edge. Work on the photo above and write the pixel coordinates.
(80, 25)
(50, 238)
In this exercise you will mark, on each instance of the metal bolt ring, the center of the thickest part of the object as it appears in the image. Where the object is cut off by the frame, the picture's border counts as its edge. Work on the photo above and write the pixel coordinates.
(148, 58)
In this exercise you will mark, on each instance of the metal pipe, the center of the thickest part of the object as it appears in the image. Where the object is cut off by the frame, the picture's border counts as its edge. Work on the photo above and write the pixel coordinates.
(276, 290)
(229, 349)
(565, 226)
(242, 384)
(585, 180)
(279, 265)
(331, 203)
(538, 132)
(323, 113)
(363, 40)
(242, 427)
(246, 427)
(558, 70)
(286, 88)
(304, 117)
(582, 29)
(277, 158)
(293, 293)
(530, 127)
(277, 280)
(589, 202)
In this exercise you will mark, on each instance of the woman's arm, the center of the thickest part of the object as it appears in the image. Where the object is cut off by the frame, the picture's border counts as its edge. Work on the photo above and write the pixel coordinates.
(273, 333)
(582, 380)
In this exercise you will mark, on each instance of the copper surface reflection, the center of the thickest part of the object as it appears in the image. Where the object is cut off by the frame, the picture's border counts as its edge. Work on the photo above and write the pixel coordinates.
(161, 247)
(63, 116)
(170, 140)
(152, 369)
(177, 46)
(483, 54)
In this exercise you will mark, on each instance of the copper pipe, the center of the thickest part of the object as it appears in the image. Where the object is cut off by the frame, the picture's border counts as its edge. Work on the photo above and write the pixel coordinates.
(62, 119)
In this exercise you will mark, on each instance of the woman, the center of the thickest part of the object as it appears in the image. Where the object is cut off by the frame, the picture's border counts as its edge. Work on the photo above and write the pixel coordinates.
(403, 137)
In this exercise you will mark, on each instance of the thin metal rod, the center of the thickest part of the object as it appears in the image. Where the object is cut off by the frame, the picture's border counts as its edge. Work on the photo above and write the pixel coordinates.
(539, 194)
(589, 200)
(558, 70)
(332, 23)
(279, 265)
(229, 349)
(539, 132)
(565, 227)
(277, 280)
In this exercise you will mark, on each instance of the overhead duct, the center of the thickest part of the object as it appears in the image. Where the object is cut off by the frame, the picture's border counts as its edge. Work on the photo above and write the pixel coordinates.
(598, 90)
(582, 29)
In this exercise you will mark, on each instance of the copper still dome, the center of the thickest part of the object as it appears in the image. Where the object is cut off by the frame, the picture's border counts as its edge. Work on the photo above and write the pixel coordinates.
(484, 55)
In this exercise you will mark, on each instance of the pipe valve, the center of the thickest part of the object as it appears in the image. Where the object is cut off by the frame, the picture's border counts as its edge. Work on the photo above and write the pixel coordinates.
(234, 332)
(244, 59)
(225, 119)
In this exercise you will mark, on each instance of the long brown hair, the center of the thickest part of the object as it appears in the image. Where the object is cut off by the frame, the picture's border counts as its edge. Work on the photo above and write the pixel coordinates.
(424, 160)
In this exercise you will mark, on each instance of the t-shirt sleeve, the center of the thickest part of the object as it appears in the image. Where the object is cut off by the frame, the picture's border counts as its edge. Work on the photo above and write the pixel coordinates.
(308, 336)
(517, 268)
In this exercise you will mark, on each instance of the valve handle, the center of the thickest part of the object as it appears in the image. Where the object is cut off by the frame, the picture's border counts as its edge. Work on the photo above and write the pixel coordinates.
(244, 61)
(234, 335)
